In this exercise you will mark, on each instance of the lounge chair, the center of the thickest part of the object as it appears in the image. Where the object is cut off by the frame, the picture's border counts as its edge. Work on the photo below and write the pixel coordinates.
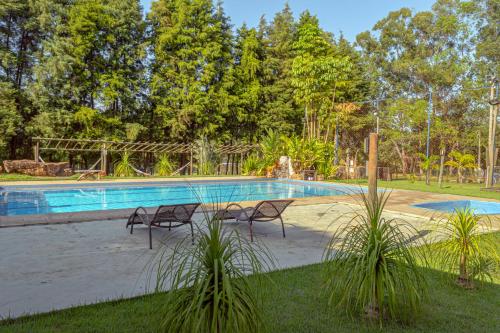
(264, 211)
(174, 215)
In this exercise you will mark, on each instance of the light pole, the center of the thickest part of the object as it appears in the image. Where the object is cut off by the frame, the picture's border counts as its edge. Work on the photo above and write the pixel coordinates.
(376, 114)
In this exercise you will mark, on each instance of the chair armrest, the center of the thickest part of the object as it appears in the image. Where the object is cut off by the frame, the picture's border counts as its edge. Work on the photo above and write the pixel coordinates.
(237, 212)
(144, 217)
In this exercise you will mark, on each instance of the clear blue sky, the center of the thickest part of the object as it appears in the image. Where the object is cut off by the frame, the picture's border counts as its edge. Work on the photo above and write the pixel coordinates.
(349, 16)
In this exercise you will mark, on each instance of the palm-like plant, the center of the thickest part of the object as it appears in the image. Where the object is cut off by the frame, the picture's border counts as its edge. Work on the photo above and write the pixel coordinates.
(209, 282)
(461, 162)
(463, 248)
(123, 168)
(272, 147)
(253, 165)
(163, 167)
(371, 267)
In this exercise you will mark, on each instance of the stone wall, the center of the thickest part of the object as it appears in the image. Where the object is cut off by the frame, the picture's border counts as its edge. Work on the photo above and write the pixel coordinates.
(32, 168)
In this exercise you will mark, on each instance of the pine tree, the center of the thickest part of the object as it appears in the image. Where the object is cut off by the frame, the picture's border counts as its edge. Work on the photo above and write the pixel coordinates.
(192, 55)
(280, 112)
(247, 88)
(91, 73)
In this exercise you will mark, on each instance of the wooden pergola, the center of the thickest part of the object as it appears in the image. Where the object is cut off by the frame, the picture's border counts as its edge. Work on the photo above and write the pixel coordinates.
(105, 146)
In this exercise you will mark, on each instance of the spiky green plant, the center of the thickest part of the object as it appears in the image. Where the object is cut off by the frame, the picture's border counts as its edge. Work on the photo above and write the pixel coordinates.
(272, 147)
(209, 282)
(463, 248)
(253, 165)
(371, 267)
(164, 167)
(123, 168)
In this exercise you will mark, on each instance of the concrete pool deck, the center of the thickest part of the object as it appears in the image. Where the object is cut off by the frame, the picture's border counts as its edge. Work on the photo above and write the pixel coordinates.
(48, 267)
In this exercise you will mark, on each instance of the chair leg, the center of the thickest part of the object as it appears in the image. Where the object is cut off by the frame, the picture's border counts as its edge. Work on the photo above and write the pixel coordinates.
(192, 233)
(132, 226)
(150, 238)
(169, 226)
(282, 226)
(251, 231)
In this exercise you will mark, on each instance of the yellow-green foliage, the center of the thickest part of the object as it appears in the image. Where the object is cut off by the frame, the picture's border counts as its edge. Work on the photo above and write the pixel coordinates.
(163, 166)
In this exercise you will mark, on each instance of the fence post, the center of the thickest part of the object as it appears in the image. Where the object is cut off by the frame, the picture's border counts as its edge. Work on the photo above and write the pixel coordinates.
(372, 168)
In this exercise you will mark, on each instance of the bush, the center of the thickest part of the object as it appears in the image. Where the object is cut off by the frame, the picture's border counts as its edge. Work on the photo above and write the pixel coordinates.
(163, 167)
(253, 165)
(123, 168)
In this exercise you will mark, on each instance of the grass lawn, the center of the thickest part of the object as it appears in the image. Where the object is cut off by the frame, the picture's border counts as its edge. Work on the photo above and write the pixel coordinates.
(469, 189)
(293, 303)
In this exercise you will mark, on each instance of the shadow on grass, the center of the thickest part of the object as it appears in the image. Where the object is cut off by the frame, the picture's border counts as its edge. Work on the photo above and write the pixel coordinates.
(293, 303)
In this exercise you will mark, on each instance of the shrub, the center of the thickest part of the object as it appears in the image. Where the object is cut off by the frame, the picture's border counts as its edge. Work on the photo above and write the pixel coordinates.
(371, 268)
(163, 167)
(253, 165)
(123, 168)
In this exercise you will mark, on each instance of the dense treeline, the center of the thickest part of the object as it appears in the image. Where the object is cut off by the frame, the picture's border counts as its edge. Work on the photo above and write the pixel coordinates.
(99, 69)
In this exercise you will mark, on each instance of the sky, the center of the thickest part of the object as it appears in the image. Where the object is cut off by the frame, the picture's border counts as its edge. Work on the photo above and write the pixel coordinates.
(347, 16)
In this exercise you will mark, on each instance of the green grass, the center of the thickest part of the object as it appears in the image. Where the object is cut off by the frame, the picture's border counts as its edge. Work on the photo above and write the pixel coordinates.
(469, 189)
(12, 177)
(293, 303)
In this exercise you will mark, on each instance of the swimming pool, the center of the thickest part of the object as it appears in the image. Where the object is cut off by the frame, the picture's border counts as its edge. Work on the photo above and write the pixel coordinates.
(61, 199)
(479, 207)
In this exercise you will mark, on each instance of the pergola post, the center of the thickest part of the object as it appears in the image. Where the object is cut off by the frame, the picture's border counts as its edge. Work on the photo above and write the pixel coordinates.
(36, 150)
(104, 159)
(372, 168)
(191, 161)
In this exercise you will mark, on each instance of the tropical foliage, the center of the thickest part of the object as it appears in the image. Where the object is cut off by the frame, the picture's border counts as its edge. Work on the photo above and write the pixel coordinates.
(461, 162)
(164, 166)
(209, 283)
(253, 165)
(370, 267)
(463, 249)
(124, 168)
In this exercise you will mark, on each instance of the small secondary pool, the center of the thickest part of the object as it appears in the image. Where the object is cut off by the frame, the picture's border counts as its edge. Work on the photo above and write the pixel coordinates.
(61, 199)
(479, 207)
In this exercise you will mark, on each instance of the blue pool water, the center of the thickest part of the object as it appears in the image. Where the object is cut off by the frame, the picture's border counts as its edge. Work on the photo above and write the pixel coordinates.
(479, 207)
(25, 201)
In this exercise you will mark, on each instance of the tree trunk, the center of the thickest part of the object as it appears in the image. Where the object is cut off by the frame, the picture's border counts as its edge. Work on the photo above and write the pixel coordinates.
(441, 168)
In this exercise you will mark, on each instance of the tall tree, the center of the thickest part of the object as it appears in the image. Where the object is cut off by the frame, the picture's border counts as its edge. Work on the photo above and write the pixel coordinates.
(20, 38)
(280, 111)
(316, 71)
(192, 54)
(247, 87)
(91, 71)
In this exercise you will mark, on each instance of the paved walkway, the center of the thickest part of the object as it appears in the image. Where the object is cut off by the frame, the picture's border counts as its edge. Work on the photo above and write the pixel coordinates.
(48, 267)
